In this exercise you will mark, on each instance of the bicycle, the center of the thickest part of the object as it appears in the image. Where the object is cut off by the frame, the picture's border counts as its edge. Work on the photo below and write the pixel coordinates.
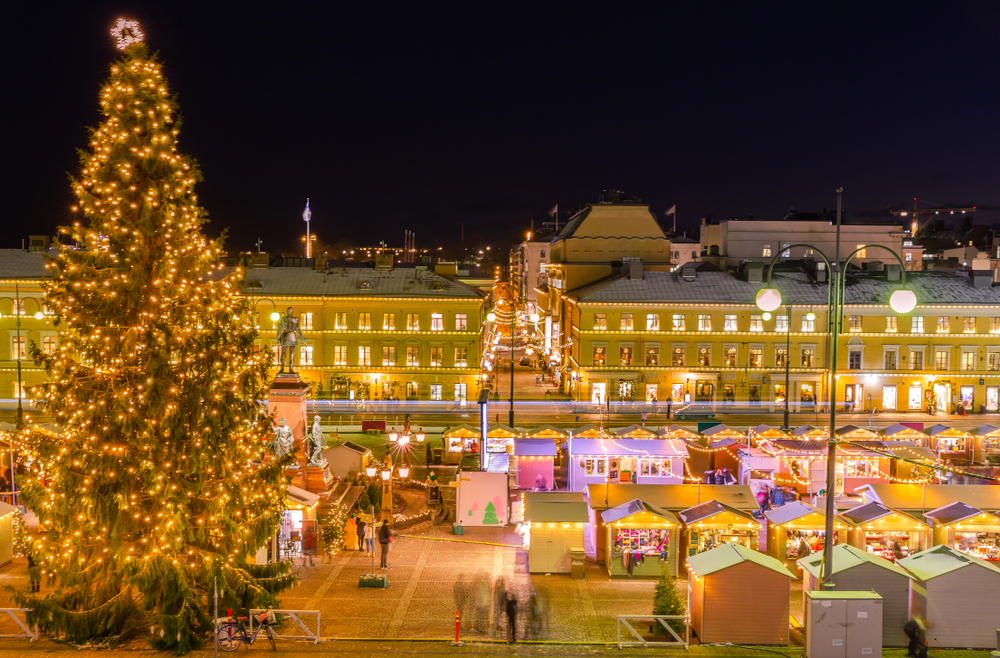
(232, 634)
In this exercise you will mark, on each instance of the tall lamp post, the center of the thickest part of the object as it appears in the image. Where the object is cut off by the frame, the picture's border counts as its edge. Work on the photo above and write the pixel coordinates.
(901, 301)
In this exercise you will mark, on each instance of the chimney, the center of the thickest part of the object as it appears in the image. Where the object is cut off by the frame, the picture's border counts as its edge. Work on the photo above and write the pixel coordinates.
(383, 261)
(39, 243)
(892, 272)
(755, 272)
(635, 270)
(981, 278)
(820, 272)
(689, 271)
(259, 259)
(446, 269)
(319, 262)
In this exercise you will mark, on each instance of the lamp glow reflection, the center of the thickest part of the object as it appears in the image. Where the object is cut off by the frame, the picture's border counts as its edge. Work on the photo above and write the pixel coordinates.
(903, 300)
(768, 299)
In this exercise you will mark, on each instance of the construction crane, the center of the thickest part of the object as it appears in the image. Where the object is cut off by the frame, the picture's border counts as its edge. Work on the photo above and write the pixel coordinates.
(916, 212)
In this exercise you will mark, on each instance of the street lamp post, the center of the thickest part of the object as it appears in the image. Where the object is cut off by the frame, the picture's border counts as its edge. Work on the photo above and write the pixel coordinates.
(513, 310)
(901, 301)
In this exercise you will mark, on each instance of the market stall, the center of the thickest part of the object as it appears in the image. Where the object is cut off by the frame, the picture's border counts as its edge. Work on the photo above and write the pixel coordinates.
(535, 464)
(886, 532)
(950, 442)
(966, 529)
(713, 523)
(500, 446)
(551, 529)
(457, 441)
(798, 524)
(641, 538)
(677, 432)
(720, 431)
(557, 434)
(905, 432)
(855, 433)
(635, 432)
(766, 433)
(958, 596)
(986, 445)
(857, 570)
(917, 499)
(635, 461)
(704, 461)
(811, 432)
(720, 583)
(589, 432)
(347, 457)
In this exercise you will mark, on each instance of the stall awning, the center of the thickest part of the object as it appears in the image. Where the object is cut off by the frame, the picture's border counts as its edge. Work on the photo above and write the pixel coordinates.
(900, 432)
(635, 432)
(986, 430)
(806, 432)
(721, 431)
(817, 449)
(713, 512)
(883, 518)
(943, 431)
(960, 513)
(677, 432)
(547, 432)
(671, 497)
(803, 515)
(299, 498)
(501, 432)
(461, 432)
(641, 448)
(855, 433)
(767, 432)
(534, 448)
(847, 557)
(637, 511)
(940, 560)
(589, 432)
(555, 511)
(726, 555)
(916, 497)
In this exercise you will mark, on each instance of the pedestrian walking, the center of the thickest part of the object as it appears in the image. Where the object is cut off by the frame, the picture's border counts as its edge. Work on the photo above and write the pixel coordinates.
(361, 525)
(916, 633)
(499, 601)
(670, 404)
(459, 590)
(482, 605)
(510, 607)
(369, 536)
(385, 537)
(308, 545)
(33, 578)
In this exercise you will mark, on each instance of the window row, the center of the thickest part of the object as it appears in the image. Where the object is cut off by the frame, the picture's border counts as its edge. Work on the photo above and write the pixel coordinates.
(19, 346)
(364, 321)
(390, 356)
(752, 358)
(891, 359)
(853, 323)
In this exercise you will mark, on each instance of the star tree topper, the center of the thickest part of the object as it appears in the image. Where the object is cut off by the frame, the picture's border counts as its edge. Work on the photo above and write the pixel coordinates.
(126, 33)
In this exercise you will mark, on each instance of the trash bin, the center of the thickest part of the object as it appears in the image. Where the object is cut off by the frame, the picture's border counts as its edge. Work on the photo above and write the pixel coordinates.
(437, 456)
(457, 529)
(576, 557)
(433, 495)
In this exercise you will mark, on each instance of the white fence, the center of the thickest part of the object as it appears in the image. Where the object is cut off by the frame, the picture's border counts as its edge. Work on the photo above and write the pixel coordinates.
(293, 615)
(640, 641)
(24, 626)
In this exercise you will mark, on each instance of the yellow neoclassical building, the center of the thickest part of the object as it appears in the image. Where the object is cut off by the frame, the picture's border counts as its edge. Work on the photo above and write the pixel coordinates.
(697, 336)
(373, 333)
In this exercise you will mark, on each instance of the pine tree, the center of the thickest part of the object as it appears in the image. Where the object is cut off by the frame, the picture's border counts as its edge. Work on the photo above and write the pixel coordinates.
(667, 601)
(156, 482)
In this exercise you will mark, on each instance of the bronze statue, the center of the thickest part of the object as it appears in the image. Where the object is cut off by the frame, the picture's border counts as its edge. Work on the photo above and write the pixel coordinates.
(289, 337)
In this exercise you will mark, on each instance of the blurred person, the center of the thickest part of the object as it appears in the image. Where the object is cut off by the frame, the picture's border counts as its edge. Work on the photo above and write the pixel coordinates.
(482, 602)
(499, 600)
(385, 538)
(510, 607)
(460, 592)
(916, 633)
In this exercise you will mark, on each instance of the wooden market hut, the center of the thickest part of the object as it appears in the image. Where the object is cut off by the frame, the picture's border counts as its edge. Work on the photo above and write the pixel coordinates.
(876, 528)
(535, 463)
(347, 457)
(799, 519)
(950, 442)
(677, 432)
(589, 432)
(958, 595)
(811, 432)
(557, 434)
(901, 432)
(986, 445)
(642, 539)
(457, 440)
(720, 431)
(500, 446)
(918, 499)
(721, 581)
(855, 569)
(966, 529)
(635, 432)
(721, 454)
(553, 529)
(637, 461)
(767, 433)
(712, 523)
(668, 497)
(855, 433)
(7, 513)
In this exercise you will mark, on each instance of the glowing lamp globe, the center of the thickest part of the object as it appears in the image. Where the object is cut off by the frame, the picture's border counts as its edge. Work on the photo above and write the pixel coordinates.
(38, 315)
(275, 316)
(420, 437)
(393, 436)
(403, 440)
(404, 471)
(768, 299)
(903, 301)
(766, 316)
(386, 474)
(810, 316)
(370, 471)
(534, 317)
(491, 316)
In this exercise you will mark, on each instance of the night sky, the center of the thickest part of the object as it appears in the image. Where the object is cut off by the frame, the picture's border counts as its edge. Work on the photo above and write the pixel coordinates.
(424, 116)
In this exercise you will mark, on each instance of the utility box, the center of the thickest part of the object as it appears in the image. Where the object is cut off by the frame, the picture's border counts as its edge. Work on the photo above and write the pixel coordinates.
(576, 559)
(843, 624)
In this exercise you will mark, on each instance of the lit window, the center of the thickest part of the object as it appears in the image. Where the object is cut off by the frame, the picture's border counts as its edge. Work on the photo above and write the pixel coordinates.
(908, 257)
(730, 322)
(413, 355)
(461, 391)
(306, 355)
(969, 326)
(917, 325)
(388, 355)
(600, 321)
(807, 358)
(364, 355)
(48, 345)
(436, 391)
(437, 356)
(625, 356)
(756, 323)
(17, 347)
(785, 251)
(600, 356)
(807, 324)
(677, 356)
(995, 325)
(340, 355)
(993, 361)
(652, 322)
(889, 362)
(461, 322)
(412, 390)
(461, 357)
(780, 357)
(891, 324)
(728, 358)
(704, 356)
(756, 355)
(854, 322)
(781, 323)
(412, 322)
(340, 321)
(854, 360)
(437, 322)
(677, 323)
(364, 321)
(704, 322)
(968, 360)
(626, 322)
(862, 252)
(941, 359)
(652, 356)
(19, 390)
(916, 359)
(943, 324)
(766, 251)
(307, 321)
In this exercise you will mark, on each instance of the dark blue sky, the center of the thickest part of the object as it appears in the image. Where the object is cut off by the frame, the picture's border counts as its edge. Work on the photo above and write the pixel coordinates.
(423, 116)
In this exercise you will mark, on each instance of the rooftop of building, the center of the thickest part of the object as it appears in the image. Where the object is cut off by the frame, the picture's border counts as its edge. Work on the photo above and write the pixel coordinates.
(21, 264)
(931, 288)
(354, 282)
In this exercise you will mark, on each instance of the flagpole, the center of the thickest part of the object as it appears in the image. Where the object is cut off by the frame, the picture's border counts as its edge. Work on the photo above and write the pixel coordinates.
(309, 217)
(675, 220)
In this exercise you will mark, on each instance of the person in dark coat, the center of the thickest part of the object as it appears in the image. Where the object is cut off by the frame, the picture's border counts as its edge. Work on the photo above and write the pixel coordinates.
(511, 609)
(361, 534)
(385, 537)
(916, 632)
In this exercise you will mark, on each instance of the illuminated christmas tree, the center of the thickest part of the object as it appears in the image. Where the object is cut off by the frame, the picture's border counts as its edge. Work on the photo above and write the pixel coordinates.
(156, 483)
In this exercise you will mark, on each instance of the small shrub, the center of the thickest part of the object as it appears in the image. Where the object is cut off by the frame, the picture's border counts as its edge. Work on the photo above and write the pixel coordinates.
(667, 601)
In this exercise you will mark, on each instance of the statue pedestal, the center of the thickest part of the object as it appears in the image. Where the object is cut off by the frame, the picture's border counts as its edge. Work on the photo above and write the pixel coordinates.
(287, 399)
(318, 479)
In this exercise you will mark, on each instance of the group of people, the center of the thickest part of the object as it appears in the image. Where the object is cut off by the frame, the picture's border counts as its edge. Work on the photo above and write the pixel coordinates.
(772, 497)
(718, 476)
(473, 600)
(366, 534)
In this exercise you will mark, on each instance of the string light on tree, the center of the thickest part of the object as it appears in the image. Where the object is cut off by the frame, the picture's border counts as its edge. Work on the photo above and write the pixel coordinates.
(126, 33)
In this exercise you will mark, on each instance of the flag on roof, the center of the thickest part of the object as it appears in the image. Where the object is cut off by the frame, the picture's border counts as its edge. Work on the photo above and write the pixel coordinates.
(307, 214)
